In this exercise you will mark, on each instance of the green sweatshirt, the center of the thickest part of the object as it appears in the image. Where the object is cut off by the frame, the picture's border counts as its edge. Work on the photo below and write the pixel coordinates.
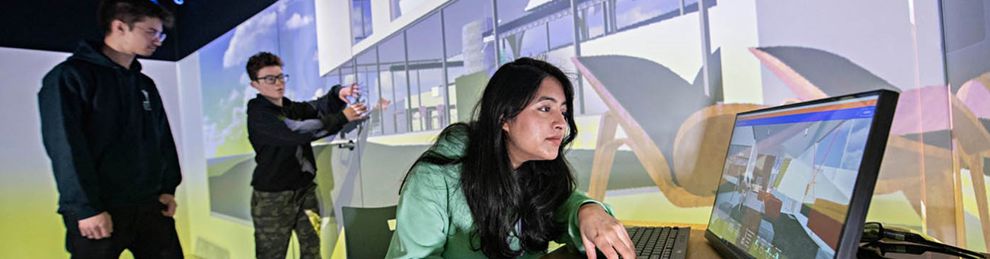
(433, 219)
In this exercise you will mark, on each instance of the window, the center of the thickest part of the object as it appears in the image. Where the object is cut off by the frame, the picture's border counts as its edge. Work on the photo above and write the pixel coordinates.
(332, 78)
(528, 41)
(396, 9)
(509, 11)
(690, 6)
(470, 53)
(427, 94)
(561, 30)
(360, 20)
(400, 7)
(591, 20)
(367, 76)
(632, 13)
(392, 78)
(524, 27)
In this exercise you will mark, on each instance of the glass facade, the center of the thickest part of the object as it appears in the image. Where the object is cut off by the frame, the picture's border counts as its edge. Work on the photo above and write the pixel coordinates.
(430, 80)
(470, 52)
(367, 77)
(394, 86)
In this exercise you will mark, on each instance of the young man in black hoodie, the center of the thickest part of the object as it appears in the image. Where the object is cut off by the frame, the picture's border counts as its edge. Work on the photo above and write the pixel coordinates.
(280, 131)
(106, 132)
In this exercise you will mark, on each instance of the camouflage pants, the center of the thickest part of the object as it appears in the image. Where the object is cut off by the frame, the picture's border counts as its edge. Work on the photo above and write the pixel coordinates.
(277, 214)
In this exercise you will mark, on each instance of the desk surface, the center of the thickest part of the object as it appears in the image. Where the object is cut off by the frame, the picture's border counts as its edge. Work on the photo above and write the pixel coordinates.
(698, 247)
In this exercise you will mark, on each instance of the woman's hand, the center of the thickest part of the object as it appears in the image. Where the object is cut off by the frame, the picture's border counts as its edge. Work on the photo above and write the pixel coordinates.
(602, 231)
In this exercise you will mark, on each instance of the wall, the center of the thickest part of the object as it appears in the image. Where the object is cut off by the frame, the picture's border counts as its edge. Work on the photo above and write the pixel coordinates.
(756, 54)
(735, 56)
(27, 186)
(704, 67)
(965, 25)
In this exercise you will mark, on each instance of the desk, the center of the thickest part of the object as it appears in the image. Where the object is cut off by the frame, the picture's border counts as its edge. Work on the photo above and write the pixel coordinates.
(698, 247)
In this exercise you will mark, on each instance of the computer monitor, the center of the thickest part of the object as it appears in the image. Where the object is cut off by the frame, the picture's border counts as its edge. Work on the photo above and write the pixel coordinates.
(798, 178)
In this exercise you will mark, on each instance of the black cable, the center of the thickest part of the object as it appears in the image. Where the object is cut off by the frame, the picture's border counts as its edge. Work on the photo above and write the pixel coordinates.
(908, 248)
(873, 232)
(922, 240)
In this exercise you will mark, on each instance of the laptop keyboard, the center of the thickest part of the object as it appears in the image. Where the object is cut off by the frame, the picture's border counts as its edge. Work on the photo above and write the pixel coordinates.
(660, 242)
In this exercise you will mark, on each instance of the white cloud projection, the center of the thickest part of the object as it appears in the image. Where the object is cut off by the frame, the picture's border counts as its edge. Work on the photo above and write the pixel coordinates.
(256, 34)
(297, 21)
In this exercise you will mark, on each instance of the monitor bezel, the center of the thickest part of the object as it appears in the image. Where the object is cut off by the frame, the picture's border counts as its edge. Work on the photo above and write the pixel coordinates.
(869, 169)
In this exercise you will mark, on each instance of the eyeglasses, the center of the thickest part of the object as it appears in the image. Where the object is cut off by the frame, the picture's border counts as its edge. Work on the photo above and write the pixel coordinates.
(273, 79)
(154, 33)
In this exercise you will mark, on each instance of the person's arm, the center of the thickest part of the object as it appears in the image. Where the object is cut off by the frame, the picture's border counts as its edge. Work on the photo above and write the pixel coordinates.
(305, 118)
(330, 109)
(171, 172)
(310, 126)
(591, 224)
(170, 168)
(267, 128)
(421, 217)
(568, 214)
(61, 106)
(330, 102)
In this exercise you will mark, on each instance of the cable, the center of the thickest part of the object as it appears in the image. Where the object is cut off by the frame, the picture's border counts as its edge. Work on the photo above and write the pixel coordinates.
(882, 249)
(873, 232)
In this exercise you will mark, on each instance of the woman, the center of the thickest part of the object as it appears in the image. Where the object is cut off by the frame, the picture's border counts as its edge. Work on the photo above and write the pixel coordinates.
(498, 187)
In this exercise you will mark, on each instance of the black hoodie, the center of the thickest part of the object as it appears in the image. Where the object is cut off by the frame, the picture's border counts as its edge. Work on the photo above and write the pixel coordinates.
(105, 130)
(281, 138)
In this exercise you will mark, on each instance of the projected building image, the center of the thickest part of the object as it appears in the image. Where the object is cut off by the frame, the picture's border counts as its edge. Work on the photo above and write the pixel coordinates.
(789, 177)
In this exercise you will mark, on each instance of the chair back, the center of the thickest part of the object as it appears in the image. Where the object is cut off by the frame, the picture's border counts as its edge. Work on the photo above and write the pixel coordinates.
(367, 233)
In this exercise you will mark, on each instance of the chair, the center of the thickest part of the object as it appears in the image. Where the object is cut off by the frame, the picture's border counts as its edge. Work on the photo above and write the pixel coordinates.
(810, 74)
(367, 231)
(973, 137)
(669, 123)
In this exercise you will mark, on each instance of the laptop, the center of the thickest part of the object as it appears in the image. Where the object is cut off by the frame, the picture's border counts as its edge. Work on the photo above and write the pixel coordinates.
(796, 183)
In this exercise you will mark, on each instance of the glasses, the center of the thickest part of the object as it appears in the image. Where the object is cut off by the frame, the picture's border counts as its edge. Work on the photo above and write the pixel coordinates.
(273, 79)
(153, 33)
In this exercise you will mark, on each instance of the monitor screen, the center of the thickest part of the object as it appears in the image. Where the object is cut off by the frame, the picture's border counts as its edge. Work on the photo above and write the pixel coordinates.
(789, 177)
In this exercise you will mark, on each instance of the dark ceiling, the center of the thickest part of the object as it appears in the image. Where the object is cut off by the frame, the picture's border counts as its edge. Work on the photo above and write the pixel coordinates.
(59, 25)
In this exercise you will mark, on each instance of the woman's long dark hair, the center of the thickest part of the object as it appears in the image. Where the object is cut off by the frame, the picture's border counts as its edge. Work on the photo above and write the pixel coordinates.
(497, 196)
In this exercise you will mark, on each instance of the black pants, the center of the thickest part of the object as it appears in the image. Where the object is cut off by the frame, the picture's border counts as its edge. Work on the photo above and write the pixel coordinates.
(141, 229)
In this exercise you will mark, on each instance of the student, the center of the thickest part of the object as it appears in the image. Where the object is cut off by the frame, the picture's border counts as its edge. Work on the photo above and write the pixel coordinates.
(108, 137)
(280, 131)
(499, 186)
